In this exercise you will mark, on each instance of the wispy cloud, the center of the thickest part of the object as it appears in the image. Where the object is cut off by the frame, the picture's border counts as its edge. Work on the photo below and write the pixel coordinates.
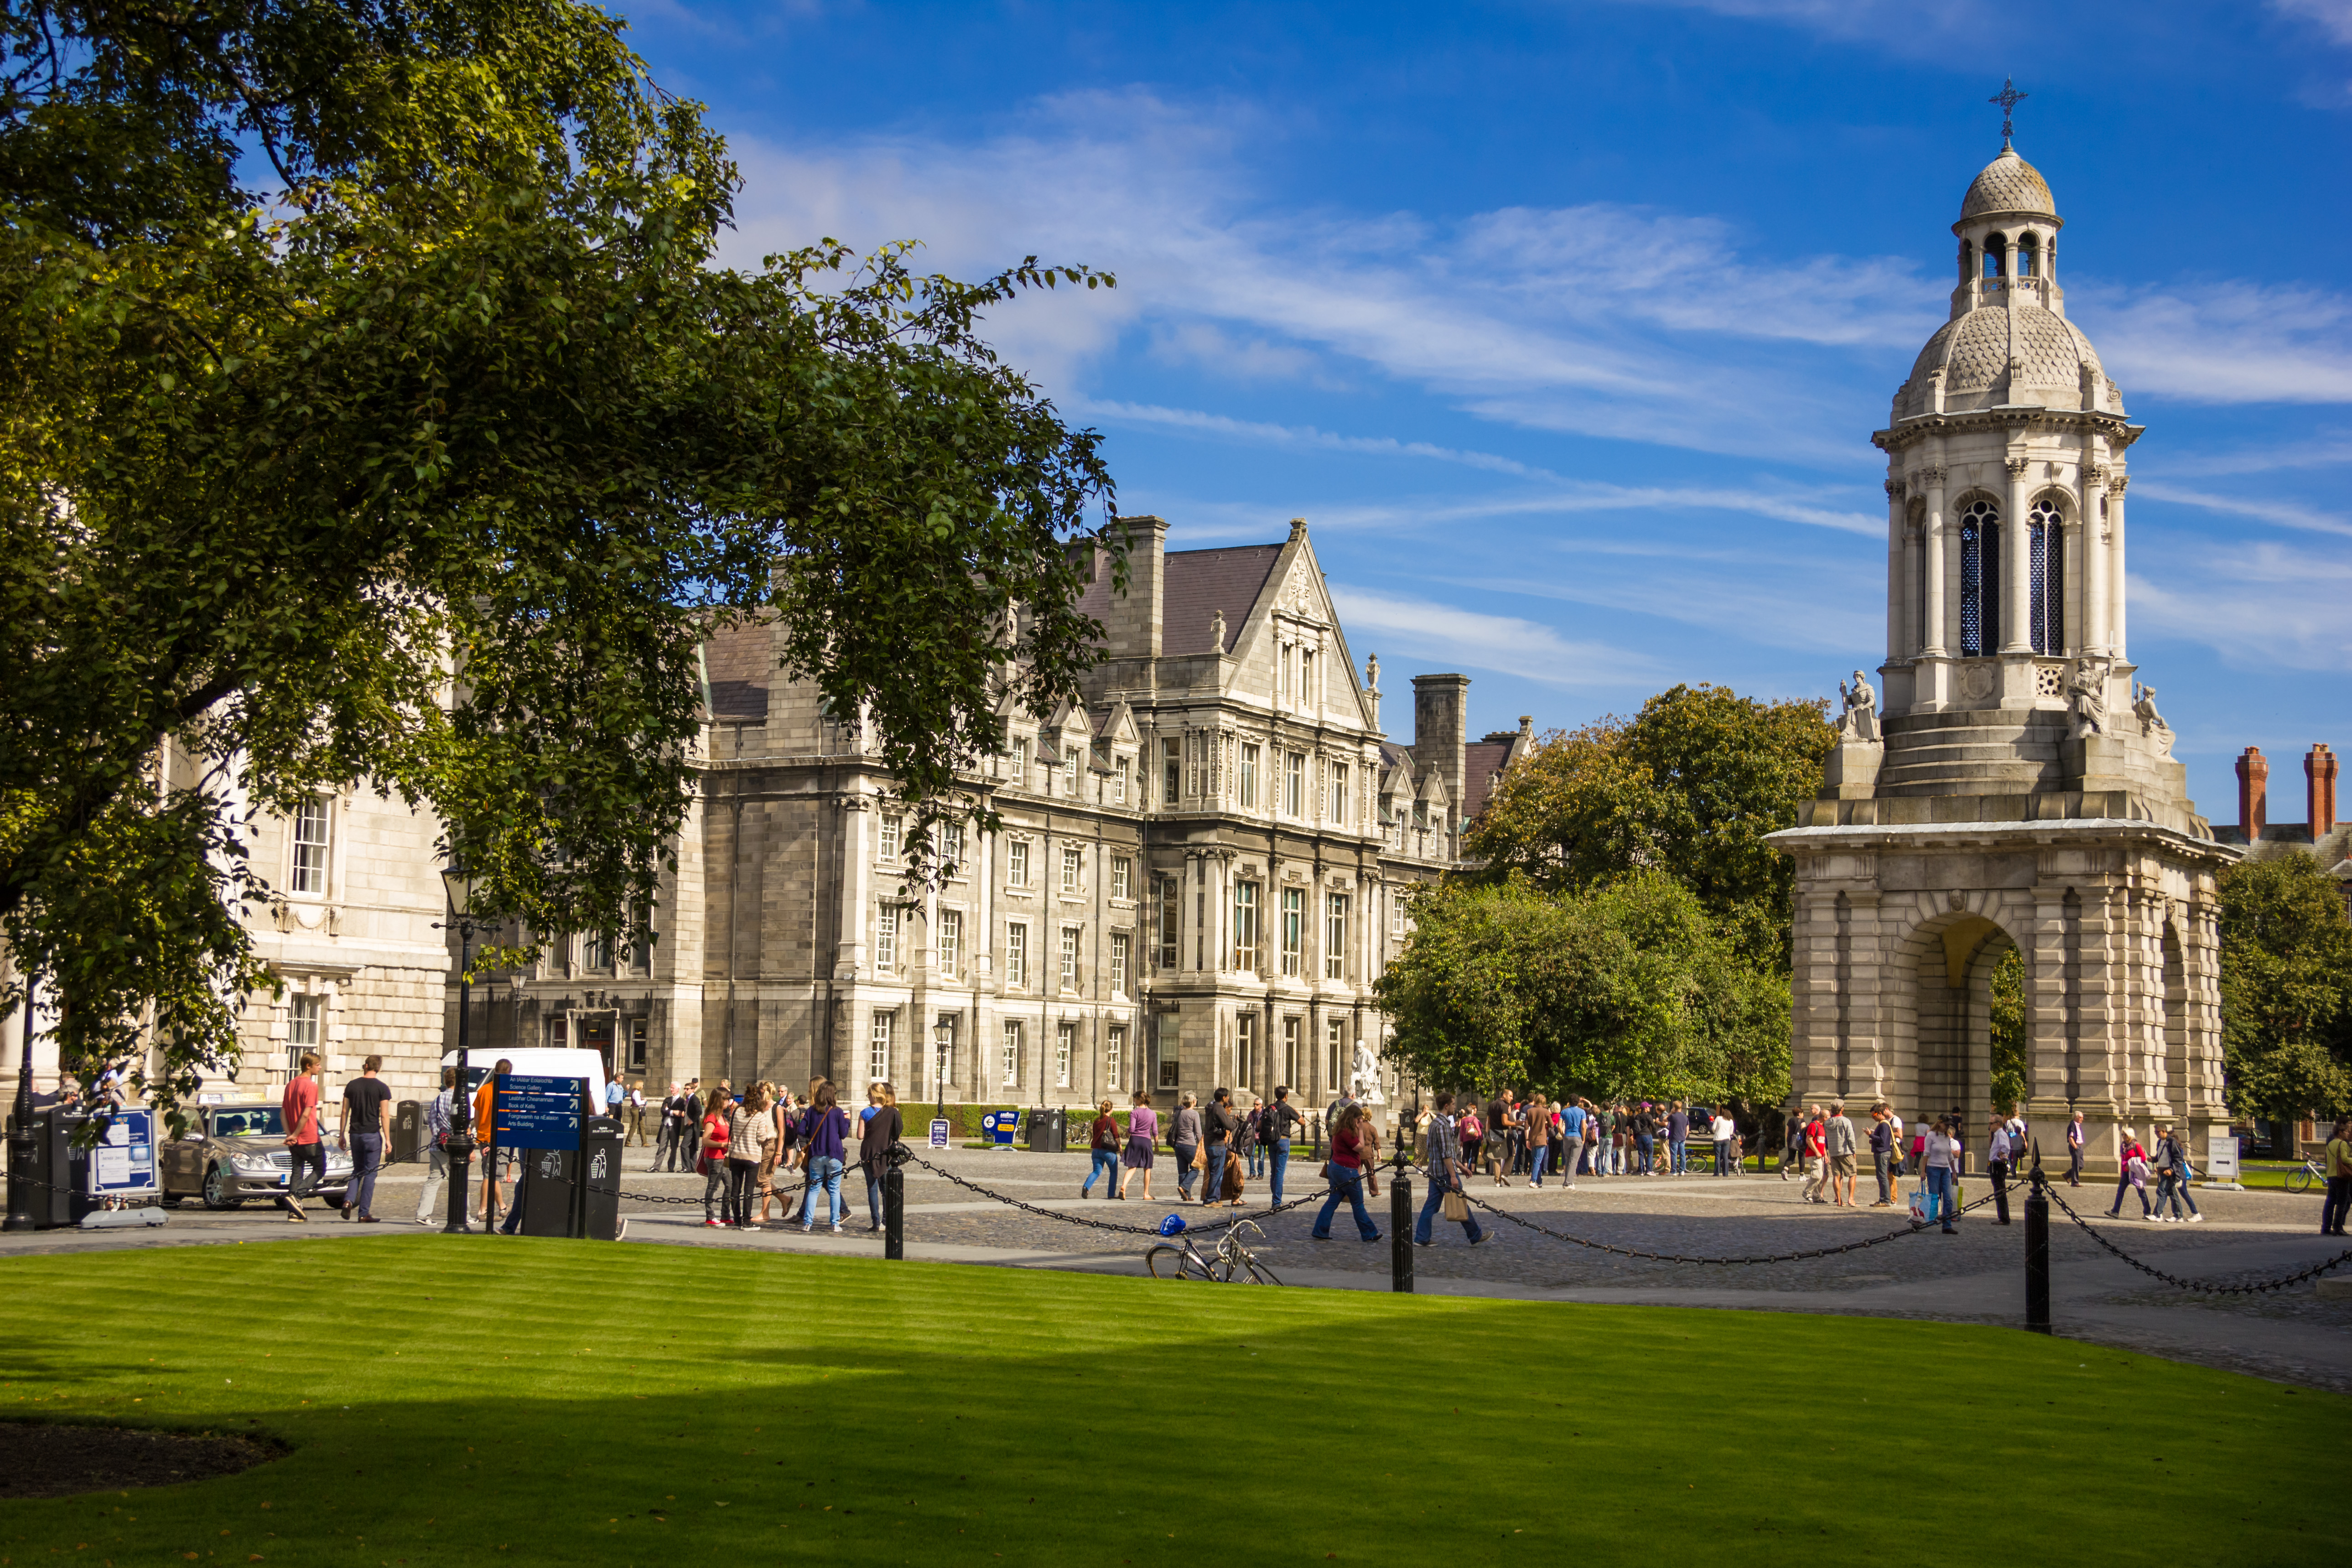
(2325, 451)
(1264, 433)
(1504, 644)
(2284, 514)
(2266, 605)
(2221, 341)
(1755, 607)
(2334, 17)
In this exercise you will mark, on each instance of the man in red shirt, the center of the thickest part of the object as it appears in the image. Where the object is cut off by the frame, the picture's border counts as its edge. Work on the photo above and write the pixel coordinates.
(1817, 1149)
(300, 1109)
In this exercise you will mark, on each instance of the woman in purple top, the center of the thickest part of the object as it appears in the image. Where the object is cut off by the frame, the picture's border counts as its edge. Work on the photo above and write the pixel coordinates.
(1142, 1130)
(823, 1130)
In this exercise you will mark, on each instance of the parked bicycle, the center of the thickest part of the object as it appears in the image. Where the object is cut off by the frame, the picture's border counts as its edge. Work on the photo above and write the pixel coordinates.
(2309, 1176)
(1233, 1260)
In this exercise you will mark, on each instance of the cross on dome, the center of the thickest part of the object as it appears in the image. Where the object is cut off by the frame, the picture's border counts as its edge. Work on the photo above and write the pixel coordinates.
(2009, 98)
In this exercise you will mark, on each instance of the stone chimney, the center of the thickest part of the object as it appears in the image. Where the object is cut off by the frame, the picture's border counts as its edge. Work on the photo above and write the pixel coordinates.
(1441, 729)
(2319, 771)
(1131, 624)
(2253, 792)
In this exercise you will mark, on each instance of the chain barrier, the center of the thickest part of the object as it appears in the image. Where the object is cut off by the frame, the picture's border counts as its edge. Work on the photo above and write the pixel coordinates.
(1189, 1229)
(2201, 1287)
(1914, 1228)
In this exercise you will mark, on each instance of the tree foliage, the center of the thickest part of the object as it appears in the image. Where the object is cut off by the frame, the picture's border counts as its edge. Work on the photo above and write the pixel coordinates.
(375, 408)
(2287, 989)
(2011, 1050)
(1689, 787)
(1624, 988)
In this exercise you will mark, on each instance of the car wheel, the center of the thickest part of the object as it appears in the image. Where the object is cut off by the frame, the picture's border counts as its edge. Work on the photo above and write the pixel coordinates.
(218, 1194)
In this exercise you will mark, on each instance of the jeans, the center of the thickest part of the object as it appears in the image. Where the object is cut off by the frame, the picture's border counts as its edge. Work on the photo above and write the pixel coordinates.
(2122, 1185)
(367, 1159)
(1882, 1161)
(824, 1180)
(1678, 1155)
(1184, 1172)
(1722, 1156)
(1213, 1179)
(1105, 1166)
(1438, 1188)
(1999, 1171)
(743, 1188)
(2176, 1189)
(1939, 1195)
(309, 1157)
(1645, 1146)
(1347, 1187)
(1278, 1160)
(1255, 1162)
(1536, 1169)
(437, 1177)
(718, 1197)
(2339, 1200)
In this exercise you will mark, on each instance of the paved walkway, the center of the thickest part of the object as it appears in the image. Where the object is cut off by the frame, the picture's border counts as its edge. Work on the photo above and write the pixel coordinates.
(1977, 1276)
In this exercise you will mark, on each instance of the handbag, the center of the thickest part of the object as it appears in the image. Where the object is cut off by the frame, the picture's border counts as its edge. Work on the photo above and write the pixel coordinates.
(1919, 1205)
(1455, 1206)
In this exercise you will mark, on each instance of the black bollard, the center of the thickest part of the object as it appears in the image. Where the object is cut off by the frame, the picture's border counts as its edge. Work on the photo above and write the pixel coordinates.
(894, 1212)
(2037, 1256)
(1400, 1234)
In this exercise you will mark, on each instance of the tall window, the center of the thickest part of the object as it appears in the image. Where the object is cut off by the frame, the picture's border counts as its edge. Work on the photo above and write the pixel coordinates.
(1340, 792)
(2046, 553)
(1307, 679)
(1294, 783)
(1073, 862)
(951, 941)
(1119, 781)
(311, 847)
(1979, 578)
(1066, 1045)
(1167, 922)
(1016, 955)
(637, 1044)
(1336, 1062)
(596, 954)
(878, 1046)
(1069, 958)
(1249, 778)
(1122, 877)
(951, 845)
(1246, 1063)
(893, 830)
(1011, 1062)
(1115, 1057)
(1335, 938)
(303, 1027)
(1285, 679)
(1396, 911)
(1289, 1063)
(1017, 863)
(885, 939)
(1119, 947)
(1294, 928)
(1246, 926)
(1070, 771)
(1171, 781)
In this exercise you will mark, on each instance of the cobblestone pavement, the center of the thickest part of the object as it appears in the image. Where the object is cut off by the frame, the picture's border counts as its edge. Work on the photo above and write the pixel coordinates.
(1975, 1275)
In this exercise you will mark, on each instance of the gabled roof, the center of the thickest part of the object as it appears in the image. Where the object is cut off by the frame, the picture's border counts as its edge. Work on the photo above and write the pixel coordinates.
(1196, 584)
(1481, 760)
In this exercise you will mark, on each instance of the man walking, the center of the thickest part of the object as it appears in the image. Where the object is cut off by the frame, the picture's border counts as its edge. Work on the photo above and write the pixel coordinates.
(1997, 1158)
(1842, 1145)
(1571, 1131)
(361, 1131)
(299, 1107)
(1678, 1140)
(1223, 1126)
(1445, 1174)
(1816, 1150)
(2337, 1168)
(486, 1139)
(2075, 1150)
(440, 1117)
(1280, 1118)
(1721, 1131)
(1882, 1154)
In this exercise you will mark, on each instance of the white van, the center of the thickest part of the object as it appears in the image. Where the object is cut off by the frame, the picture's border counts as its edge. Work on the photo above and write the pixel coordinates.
(537, 1062)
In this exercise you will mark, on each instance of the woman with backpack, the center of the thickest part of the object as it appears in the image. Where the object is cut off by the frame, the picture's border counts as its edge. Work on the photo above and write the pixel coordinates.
(1142, 1133)
(1473, 1129)
(1104, 1146)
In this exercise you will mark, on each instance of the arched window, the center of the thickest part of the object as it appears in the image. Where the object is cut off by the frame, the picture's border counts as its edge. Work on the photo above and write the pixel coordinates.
(1915, 553)
(1993, 246)
(2046, 549)
(1979, 578)
(1968, 260)
(2027, 252)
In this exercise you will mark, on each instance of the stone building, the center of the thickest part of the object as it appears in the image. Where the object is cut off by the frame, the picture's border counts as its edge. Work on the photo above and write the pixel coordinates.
(2016, 786)
(1201, 872)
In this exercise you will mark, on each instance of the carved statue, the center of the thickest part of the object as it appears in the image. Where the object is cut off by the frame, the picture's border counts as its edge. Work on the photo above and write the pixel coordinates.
(2151, 723)
(1367, 1076)
(2086, 692)
(1373, 673)
(1217, 632)
(1860, 719)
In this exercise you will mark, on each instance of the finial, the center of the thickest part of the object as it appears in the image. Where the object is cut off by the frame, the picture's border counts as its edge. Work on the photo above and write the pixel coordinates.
(1298, 528)
(2009, 98)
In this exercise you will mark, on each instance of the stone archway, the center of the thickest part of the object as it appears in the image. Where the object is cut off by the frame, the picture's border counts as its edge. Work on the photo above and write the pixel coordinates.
(1940, 1046)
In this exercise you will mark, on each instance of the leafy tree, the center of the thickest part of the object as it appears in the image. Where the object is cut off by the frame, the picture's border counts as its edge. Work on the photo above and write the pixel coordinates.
(2010, 1053)
(2286, 990)
(1689, 787)
(375, 407)
(1626, 988)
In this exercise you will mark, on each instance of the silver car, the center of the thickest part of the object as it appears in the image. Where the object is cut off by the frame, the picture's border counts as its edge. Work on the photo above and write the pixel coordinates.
(238, 1152)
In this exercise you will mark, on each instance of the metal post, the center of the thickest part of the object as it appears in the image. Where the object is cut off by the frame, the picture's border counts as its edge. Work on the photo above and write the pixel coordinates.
(894, 1209)
(2037, 1252)
(20, 1135)
(1400, 1232)
(461, 1102)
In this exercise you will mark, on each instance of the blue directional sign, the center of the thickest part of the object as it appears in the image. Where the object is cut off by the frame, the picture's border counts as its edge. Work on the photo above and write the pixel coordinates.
(538, 1112)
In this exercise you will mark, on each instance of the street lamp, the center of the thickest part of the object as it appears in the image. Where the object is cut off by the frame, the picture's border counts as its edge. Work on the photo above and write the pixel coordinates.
(944, 1033)
(20, 1134)
(462, 883)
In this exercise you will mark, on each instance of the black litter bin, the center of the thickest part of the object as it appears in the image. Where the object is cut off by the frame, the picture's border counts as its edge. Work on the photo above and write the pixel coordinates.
(546, 1195)
(603, 1194)
(407, 1132)
(1049, 1131)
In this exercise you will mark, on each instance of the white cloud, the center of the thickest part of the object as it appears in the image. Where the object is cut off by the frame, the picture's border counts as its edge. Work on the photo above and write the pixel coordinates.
(2223, 342)
(2321, 452)
(2284, 514)
(2334, 17)
(2259, 606)
(1763, 604)
(1504, 644)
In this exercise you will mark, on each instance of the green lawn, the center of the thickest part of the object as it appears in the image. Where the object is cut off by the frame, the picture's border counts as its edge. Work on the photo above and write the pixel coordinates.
(519, 1401)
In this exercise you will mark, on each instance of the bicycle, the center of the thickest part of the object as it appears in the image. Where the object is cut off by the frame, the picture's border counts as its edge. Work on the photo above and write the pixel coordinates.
(1233, 1260)
(2304, 1179)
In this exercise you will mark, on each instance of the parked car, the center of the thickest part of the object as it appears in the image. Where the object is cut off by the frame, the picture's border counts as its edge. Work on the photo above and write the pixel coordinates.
(238, 1152)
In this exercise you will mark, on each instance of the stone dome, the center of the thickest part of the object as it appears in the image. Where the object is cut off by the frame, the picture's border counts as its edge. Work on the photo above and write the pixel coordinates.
(2007, 185)
(1974, 350)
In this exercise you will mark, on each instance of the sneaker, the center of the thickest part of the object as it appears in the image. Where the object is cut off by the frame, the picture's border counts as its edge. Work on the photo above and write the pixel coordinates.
(1477, 1238)
(2197, 1219)
(1312, 1236)
(714, 1224)
(836, 1229)
(1418, 1242)
(754, 1225)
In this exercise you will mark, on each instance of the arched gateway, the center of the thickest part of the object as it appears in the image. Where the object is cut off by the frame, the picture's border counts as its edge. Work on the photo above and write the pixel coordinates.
(2012, 788)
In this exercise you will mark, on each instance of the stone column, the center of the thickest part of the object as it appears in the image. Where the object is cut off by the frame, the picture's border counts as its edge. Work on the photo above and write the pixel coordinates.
(2090, 503)
(1898, 597)
(2115, 563)
(849, 954)
(1935, 639)
(2017, 591)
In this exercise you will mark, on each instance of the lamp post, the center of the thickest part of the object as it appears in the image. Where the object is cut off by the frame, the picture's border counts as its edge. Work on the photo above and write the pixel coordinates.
(943, 1033)
(461, 883)
(20, 1135)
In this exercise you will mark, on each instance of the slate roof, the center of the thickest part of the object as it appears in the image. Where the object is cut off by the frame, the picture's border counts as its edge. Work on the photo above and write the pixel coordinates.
(1196, 584)
(1481, 760)
(741, 661)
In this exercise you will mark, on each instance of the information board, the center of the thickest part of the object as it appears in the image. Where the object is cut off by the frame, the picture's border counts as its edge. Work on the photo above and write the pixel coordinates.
(538, 1112)
(122, 1164)
(2221, 1157)
(939, 1132)
(1000, 1126)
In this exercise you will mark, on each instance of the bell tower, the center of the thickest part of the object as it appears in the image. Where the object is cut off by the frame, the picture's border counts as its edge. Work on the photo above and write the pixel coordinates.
(2012, 787)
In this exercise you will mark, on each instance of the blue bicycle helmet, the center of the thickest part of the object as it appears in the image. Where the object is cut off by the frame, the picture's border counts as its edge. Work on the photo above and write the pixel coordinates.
(1172, 1226)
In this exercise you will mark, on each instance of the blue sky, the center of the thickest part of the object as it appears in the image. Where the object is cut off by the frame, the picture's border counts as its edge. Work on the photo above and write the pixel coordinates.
(1566, 325)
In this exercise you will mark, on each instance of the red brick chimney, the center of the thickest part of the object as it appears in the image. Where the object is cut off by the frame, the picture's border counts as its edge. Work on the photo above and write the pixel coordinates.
(2319, 769)
(2253, 791)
